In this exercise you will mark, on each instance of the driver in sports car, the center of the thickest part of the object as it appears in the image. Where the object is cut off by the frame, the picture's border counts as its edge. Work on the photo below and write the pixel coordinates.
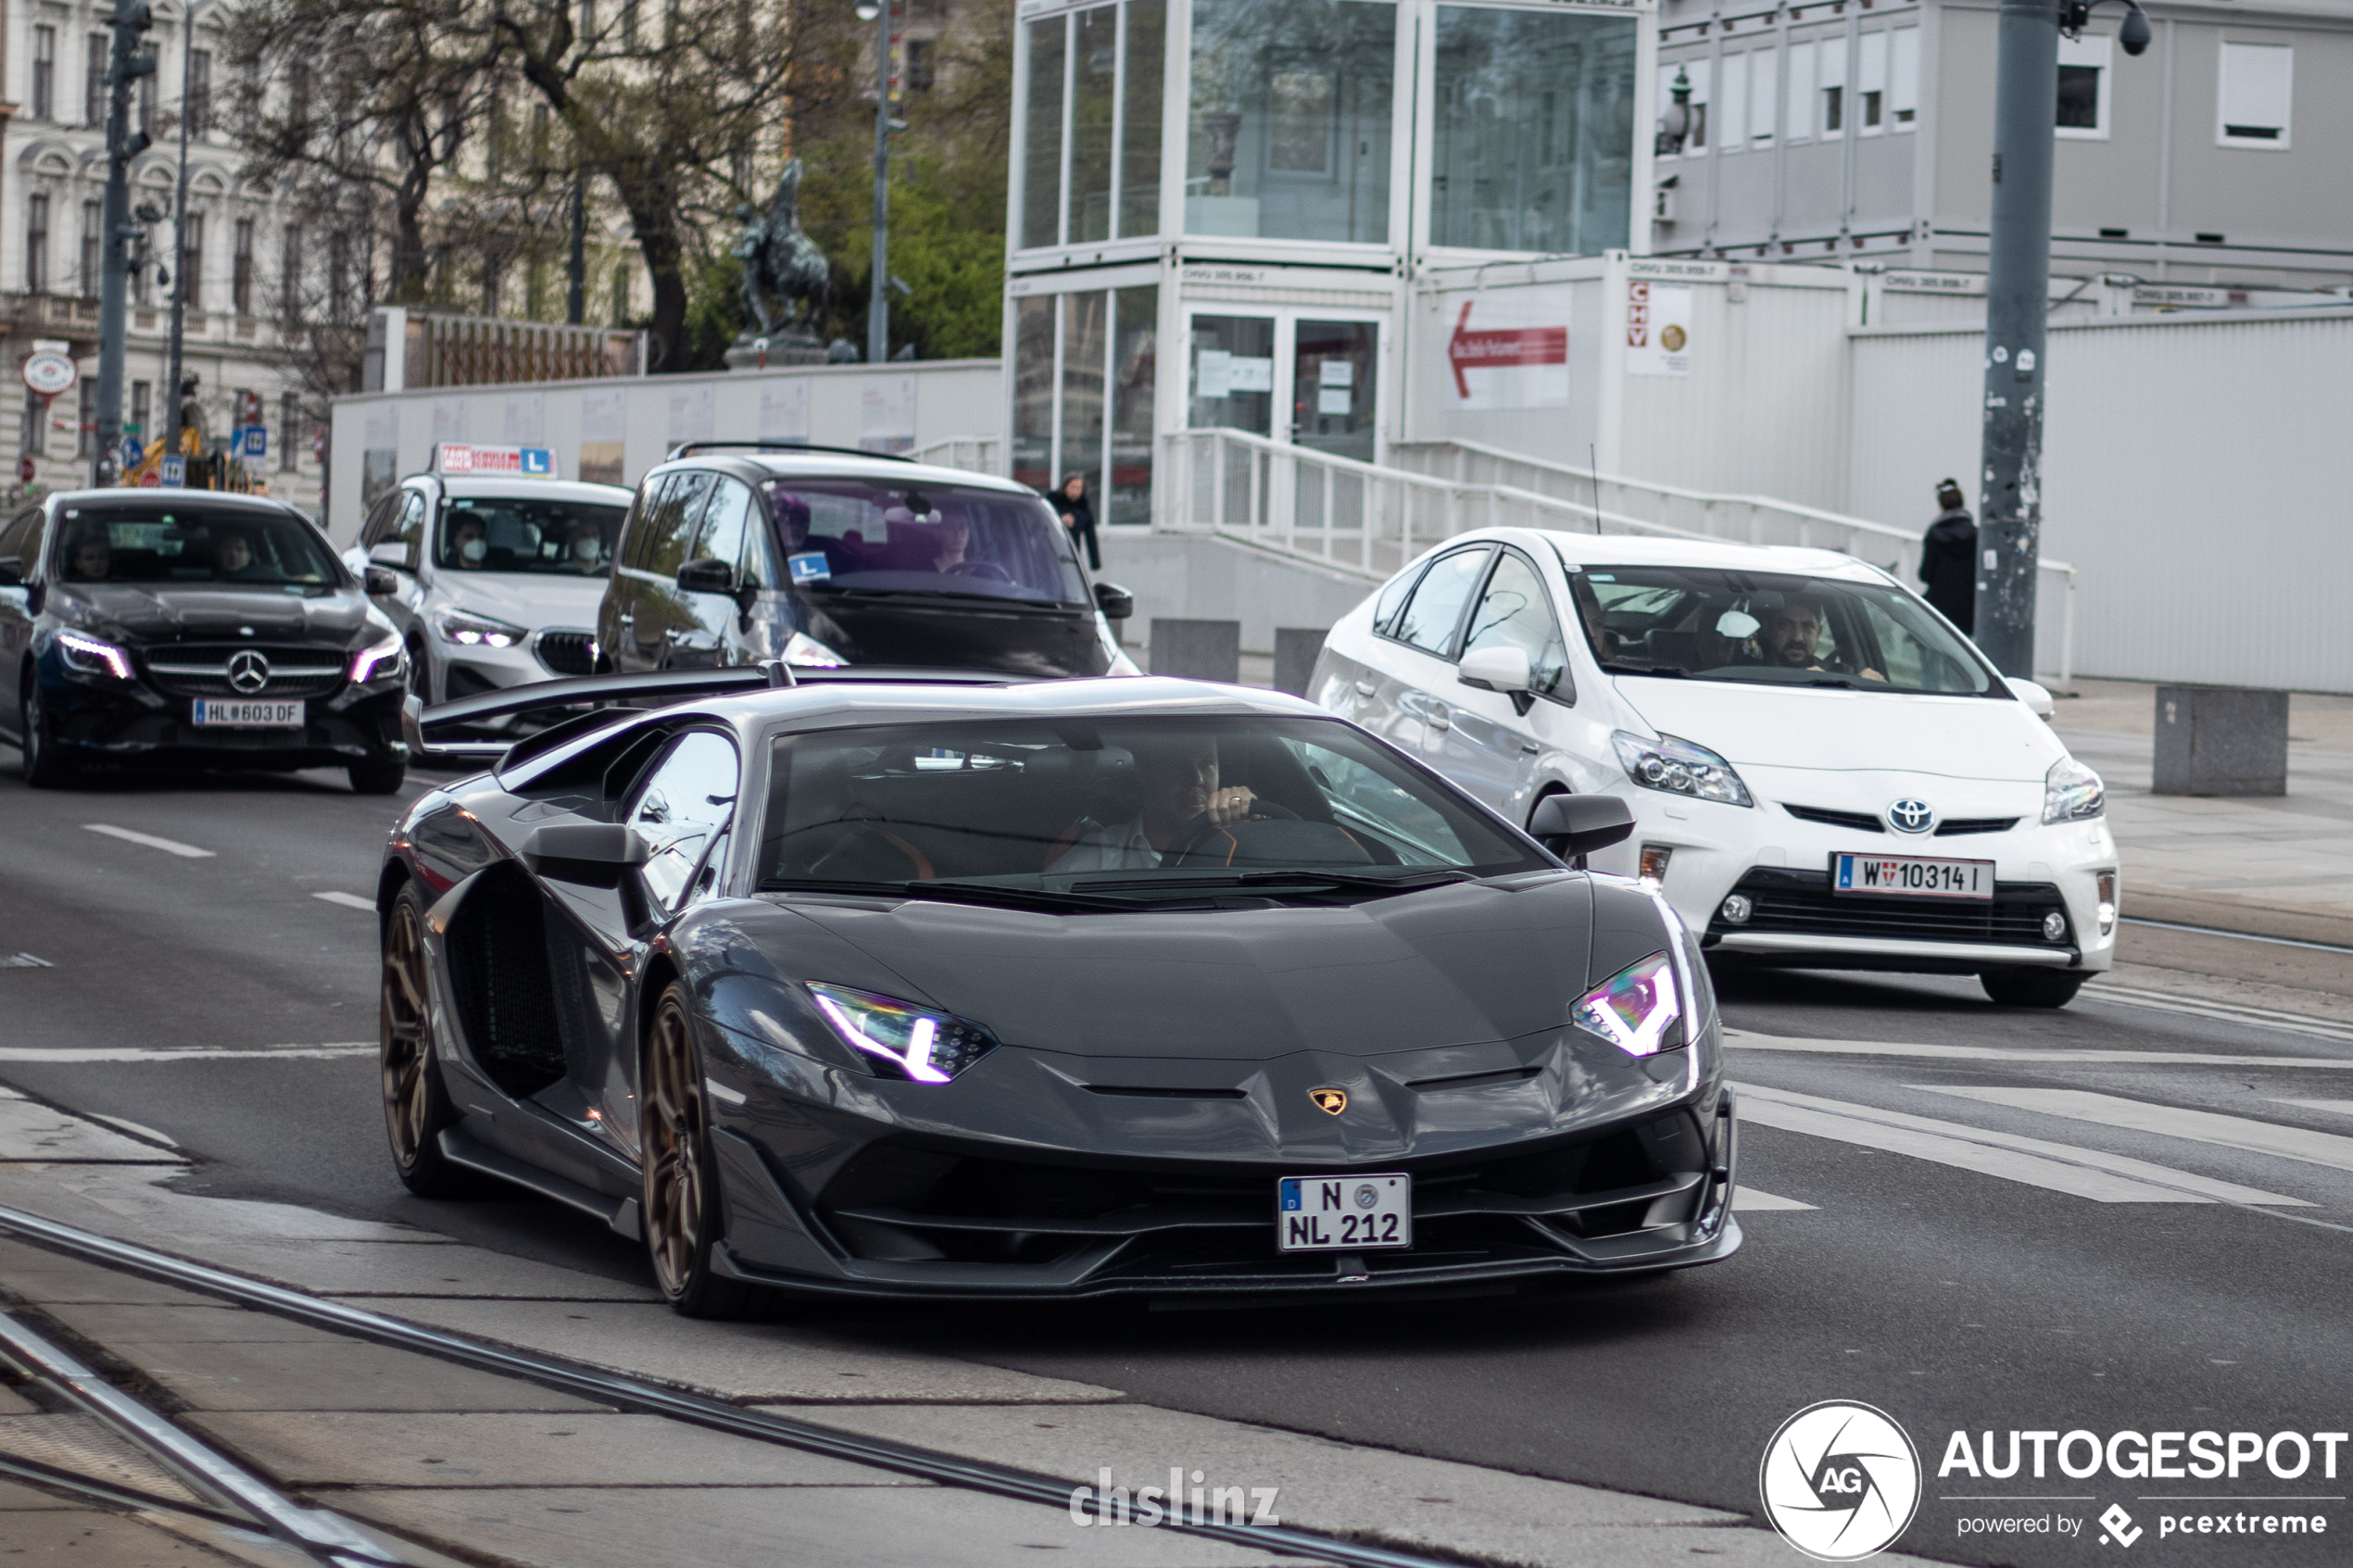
(1180, 784)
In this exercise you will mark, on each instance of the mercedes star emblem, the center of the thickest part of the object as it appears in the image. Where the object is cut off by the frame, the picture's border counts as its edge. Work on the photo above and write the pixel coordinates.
(248, 670)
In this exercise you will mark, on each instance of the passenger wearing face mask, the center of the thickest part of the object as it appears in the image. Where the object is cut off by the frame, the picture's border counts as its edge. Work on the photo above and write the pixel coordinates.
(468, 545)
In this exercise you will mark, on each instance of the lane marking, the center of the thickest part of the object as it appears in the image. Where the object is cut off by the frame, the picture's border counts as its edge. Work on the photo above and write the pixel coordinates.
(2225, 1012)
(2058, 1167)
(169, 846)
(348, 900)
(183, 1053)
(2331, 1149)
(23, 960)
(1741, 1039)
(2337, 1107)
(1748, 1200)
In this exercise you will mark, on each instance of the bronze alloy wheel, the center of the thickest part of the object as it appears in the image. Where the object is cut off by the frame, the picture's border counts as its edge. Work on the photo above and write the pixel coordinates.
(416, 1110)
(682, 1214)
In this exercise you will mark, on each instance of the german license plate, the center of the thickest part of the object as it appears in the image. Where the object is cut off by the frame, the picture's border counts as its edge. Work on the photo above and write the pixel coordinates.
(238, 714)
(1326, 1213)
(1907, 876)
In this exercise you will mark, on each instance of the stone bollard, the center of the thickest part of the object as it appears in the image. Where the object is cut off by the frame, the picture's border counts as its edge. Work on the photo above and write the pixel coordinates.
(2220, 740)
(1295, 651)
(1199, 650)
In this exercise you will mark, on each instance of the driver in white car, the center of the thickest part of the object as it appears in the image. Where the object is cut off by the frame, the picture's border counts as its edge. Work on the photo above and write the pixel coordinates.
(1179, 783)
(1792, 634)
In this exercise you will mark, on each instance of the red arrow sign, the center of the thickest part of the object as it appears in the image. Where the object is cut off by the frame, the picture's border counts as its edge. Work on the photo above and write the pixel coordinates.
(1501, 348)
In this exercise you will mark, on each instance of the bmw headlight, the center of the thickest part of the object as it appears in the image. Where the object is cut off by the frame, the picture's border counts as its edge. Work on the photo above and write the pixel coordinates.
(86, 655)
(380, 661)
(811, 654)
(470, 631)
(900, 1038)
(2073, 793)
(1639, 1009)
(1679, 768)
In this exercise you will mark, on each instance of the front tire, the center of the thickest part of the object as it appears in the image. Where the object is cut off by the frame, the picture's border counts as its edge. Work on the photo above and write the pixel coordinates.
(680, 1210)
(378, 776)
(417, 1106)
(2032, 988)
(45, 765)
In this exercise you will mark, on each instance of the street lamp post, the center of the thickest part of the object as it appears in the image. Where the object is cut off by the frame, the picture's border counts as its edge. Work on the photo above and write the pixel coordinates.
(125, 65)
(2017, 291)
(878, 300)
(180, 223)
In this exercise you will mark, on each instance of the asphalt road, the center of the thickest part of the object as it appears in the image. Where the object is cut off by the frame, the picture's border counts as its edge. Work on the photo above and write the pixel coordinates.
(1949, 1272)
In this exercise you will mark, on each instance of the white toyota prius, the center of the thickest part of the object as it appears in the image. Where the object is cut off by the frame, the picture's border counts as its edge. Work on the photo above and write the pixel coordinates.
(1824, 772)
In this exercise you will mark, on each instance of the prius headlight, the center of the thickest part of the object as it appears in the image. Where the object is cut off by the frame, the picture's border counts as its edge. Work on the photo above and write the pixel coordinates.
(1679, 767)
(1639, 1009)
(900, 1038)
(2073, 793)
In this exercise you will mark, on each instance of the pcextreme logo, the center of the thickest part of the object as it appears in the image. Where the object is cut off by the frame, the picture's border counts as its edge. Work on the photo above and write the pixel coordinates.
(1841, 1481)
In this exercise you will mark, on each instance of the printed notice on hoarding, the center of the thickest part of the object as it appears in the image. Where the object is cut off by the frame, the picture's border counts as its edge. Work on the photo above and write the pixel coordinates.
(1511, 351)
(1658, 329)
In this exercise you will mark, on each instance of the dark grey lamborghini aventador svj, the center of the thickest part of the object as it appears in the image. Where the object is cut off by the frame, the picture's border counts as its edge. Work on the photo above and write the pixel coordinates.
(970, 988)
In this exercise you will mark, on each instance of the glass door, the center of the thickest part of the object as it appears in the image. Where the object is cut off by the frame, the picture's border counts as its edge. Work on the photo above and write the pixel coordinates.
(1335, 392)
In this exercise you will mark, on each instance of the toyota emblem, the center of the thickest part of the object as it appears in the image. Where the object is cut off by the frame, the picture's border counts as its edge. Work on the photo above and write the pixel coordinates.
(1911, 816)
(249, 670)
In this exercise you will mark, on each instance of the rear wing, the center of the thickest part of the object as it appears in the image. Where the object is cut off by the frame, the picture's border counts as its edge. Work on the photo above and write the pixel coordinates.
(468, 730)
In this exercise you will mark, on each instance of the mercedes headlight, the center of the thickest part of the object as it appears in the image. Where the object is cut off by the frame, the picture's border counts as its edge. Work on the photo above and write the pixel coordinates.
(1677, 766)
(899, 1038)
(811, 654)
(87, 654)
(379, 660)
(1639, 1009)
(471, 631)
(2073, 793)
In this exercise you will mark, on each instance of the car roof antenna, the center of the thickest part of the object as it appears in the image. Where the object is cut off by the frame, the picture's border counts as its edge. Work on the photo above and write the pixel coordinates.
(779, 672)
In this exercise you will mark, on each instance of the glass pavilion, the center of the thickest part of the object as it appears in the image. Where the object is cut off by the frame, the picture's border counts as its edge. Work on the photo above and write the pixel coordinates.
(1261, 182)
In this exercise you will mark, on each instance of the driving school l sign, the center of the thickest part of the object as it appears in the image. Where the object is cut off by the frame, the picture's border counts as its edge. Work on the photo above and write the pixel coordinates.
(1511, 350)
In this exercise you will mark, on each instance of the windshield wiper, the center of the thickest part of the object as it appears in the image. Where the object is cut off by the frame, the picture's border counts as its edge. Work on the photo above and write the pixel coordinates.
(956, 892)
(1309, 877)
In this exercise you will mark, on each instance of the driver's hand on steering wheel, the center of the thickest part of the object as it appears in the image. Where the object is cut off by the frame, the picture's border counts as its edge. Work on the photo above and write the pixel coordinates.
(1230, 805)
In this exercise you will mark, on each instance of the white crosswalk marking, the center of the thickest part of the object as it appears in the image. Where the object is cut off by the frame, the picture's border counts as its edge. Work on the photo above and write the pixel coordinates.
(1741, 1039)
(2338, 1107)
(2331, 1149)
(2083, 1172)
(348, 900)
(1748, 1200)
(169, 846)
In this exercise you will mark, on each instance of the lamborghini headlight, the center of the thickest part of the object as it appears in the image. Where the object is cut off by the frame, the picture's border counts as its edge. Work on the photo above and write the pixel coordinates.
(1639, 1009)
(899, 1038)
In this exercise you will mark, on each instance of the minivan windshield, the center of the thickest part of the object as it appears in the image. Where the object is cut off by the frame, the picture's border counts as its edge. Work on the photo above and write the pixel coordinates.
(1126, 808)
(190, 542)
(868, 536)
(1771, 628)
(534, 534)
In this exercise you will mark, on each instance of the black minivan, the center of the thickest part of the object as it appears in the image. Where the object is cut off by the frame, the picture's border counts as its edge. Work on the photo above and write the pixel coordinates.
(735, 553)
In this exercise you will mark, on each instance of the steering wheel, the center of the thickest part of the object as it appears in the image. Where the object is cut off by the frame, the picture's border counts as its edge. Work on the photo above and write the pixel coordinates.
(1188, 838)
(988, 569)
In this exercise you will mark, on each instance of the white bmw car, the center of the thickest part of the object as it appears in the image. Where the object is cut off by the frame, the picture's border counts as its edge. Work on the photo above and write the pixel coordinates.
(1824, 772)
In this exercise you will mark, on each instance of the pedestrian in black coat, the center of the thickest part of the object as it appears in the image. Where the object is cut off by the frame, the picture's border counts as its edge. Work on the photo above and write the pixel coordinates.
(1948, 560)
(1078, 516)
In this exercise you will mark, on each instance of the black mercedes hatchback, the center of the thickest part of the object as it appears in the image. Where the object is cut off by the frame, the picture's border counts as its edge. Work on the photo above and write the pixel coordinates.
(735, 554)
(191, 628)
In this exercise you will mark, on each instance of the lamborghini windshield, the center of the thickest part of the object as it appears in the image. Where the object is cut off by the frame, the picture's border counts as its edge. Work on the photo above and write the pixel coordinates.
(1771, 627)
(1118, 807)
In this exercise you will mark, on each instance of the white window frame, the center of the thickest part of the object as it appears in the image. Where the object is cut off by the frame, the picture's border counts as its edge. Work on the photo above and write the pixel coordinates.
(2222, 136)
(1904, 79)
(2098, 51)
(1799, 107)
(1870, 76)
(1830, 72)
(1764, 95)
(1732, 127)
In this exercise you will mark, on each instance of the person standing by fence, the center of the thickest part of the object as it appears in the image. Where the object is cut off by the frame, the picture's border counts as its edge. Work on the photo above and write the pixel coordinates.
(1948, 559)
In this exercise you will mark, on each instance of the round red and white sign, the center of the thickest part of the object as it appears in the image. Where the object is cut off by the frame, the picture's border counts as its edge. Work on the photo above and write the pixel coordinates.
(50, 373)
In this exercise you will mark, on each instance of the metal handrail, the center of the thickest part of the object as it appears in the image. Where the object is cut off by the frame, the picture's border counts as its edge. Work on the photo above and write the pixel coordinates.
(1367, 520)
(983, 448)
